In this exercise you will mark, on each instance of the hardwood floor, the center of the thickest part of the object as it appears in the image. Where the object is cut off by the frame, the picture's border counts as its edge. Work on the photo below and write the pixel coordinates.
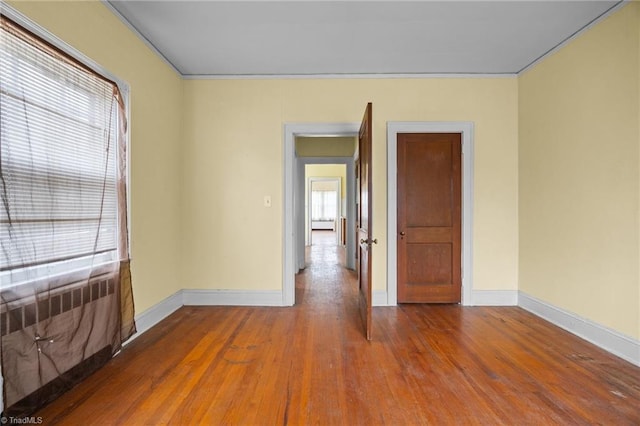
(310, 364)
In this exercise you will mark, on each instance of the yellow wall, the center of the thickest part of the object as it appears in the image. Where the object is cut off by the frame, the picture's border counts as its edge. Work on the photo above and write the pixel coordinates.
(156, 100)
(233, 156)
(325, 146)
(637, 9)
(638, 50)
(579, 130)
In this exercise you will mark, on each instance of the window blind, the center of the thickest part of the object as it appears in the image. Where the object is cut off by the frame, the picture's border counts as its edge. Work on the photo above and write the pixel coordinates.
(58, 136)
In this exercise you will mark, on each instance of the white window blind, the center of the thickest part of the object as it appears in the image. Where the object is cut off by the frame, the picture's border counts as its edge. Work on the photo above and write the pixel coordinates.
(58, 141)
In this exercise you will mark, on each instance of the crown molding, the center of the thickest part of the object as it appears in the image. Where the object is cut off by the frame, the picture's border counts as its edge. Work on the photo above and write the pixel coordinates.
(343, 76)
(617, 6)
(146, 41)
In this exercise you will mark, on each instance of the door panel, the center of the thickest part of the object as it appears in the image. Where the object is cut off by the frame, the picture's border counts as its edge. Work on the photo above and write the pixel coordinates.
(364, 230)
(428, 170)
(435, 267)
(429, 218)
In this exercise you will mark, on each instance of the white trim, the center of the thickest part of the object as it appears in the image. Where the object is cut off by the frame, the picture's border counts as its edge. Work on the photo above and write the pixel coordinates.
(343, 76)
(573, 36)
(142, 38)
(379, 298)
(152, 316)
(466, 129)
(494, 297)
(232, 297)
(610, 340)
(290, 131)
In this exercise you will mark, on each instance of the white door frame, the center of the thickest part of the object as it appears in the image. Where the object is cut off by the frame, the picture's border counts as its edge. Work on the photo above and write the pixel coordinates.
(292, 168)
(466, 129)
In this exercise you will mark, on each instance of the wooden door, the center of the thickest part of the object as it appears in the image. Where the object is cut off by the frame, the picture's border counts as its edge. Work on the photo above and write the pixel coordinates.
(365, 216)
(429, 218)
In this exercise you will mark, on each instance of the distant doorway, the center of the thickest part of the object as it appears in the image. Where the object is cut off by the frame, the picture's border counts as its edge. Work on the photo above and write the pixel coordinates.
(307, 169)
(325, 205)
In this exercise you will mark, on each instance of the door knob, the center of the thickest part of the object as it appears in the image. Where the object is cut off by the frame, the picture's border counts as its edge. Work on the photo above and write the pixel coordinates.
(403, 233)
(368, 242)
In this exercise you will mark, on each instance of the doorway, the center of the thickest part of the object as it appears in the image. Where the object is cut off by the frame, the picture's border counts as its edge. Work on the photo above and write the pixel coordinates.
(294, 189)
(325, 204)
(293, 218)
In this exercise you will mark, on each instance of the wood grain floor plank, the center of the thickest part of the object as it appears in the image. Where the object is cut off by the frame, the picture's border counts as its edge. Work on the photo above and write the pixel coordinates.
(309, 364)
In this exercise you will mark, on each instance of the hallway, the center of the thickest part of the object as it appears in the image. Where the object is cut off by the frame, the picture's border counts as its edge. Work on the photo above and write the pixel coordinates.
(325, 280)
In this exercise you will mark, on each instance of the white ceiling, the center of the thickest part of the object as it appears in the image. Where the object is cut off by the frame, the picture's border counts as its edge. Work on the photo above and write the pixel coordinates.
(233, 38)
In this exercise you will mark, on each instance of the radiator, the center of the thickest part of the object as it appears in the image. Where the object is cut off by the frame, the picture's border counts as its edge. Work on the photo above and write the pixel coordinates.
(323, 224)
(44, 339)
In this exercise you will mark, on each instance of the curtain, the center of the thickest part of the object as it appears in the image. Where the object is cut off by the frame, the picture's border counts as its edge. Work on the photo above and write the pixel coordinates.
(324, 205)
(66, 303)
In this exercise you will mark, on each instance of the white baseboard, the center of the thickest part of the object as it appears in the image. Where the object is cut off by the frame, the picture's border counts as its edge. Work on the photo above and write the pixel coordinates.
(197, 297)
(610, 340)
(379, 298)
(157, 313)
(232, 298)
(478, 298)
(494, 298)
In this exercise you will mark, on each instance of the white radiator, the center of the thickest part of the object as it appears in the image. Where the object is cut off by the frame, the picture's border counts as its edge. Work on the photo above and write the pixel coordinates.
(323, 224)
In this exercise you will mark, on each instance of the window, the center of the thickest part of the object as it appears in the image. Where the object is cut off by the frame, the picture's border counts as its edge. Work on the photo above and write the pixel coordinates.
(324, 205)
(59, 178)
(64, 257)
